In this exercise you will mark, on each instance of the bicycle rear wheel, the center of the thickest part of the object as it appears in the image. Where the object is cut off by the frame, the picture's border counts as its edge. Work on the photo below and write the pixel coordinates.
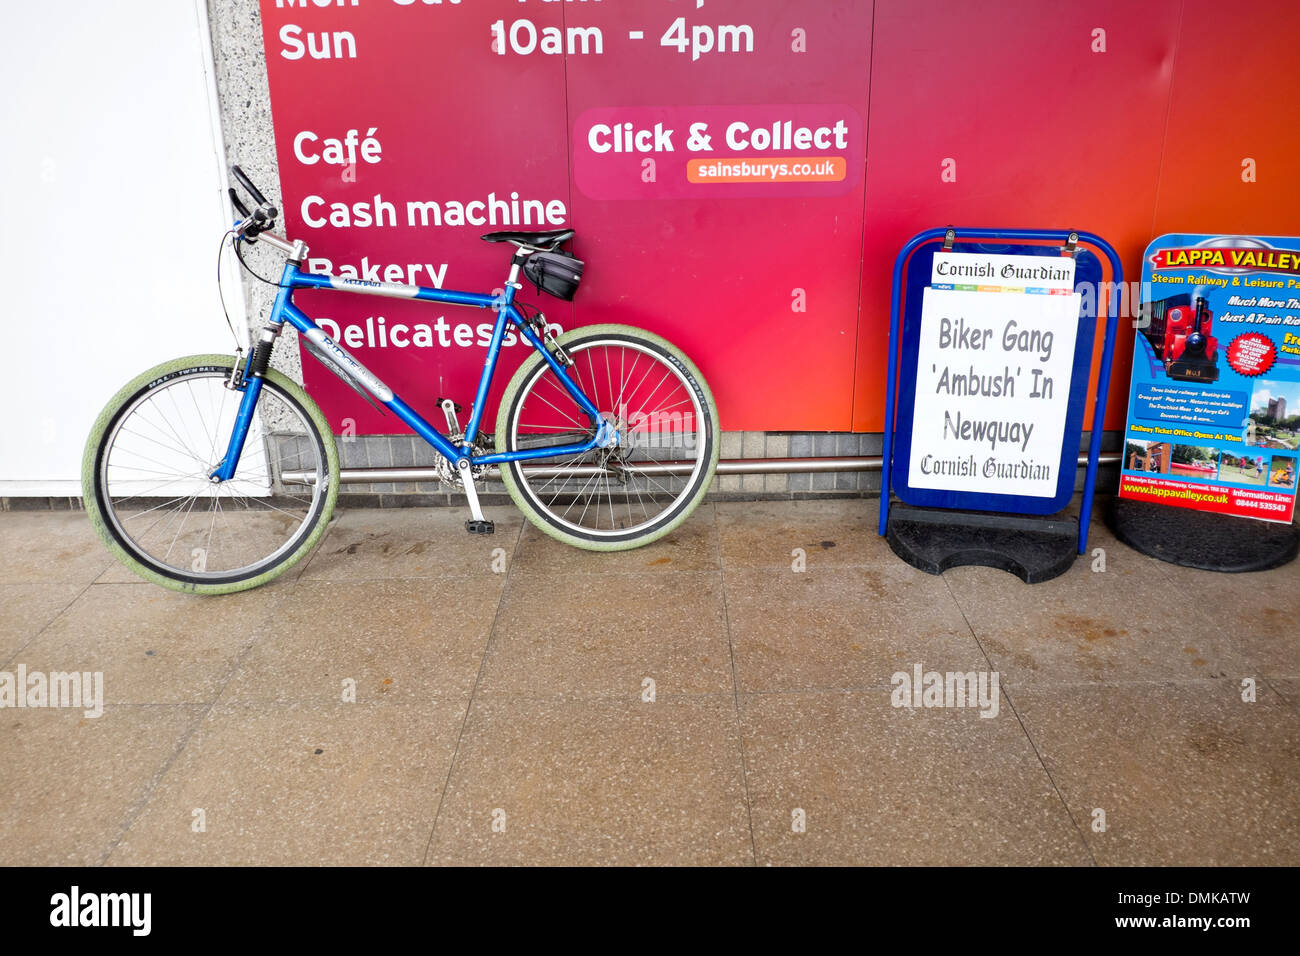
(146, 487)
(624, 497)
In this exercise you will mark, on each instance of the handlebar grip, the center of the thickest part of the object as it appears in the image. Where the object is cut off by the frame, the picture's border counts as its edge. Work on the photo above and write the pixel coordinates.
(248, 185)
(234, 201)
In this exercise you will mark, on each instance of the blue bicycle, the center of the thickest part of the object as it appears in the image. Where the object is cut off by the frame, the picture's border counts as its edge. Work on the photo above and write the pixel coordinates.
(216, 473)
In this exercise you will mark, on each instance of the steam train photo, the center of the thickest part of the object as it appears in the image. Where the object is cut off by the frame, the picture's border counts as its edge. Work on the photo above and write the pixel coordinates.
(1180, 334)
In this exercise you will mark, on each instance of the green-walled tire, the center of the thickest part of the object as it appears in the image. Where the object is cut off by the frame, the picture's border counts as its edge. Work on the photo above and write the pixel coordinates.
(134, 403)
(672, 504)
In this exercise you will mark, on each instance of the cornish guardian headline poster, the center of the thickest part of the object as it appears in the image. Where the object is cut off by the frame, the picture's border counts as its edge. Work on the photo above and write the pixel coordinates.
(1214, 404)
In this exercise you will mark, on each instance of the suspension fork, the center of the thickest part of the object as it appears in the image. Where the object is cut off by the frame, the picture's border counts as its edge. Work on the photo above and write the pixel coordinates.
(258, 360)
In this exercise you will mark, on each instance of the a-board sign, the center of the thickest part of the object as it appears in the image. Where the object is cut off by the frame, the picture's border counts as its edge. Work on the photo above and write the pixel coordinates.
(1214, 403)
(994, 363)
(991, 403)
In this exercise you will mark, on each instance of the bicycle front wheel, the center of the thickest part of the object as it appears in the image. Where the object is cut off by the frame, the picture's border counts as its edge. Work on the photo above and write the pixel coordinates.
(611, 499)
(146, 485)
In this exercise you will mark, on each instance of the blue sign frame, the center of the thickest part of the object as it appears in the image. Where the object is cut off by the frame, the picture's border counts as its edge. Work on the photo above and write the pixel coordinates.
(912, 271)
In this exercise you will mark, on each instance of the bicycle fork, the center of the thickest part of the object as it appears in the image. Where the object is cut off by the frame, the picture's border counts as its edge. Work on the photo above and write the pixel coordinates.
(251, 383)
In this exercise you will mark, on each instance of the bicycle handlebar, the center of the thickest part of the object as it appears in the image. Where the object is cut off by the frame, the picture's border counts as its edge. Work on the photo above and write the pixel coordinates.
(261, 218)
(248, 185)
(239, 206)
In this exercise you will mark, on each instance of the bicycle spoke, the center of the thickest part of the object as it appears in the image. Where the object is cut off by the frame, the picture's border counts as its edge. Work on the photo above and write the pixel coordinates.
(649, 401)
(247, 523)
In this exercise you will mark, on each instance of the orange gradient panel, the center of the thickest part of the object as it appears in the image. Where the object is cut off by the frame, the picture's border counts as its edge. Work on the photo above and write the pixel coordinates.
(1232, 152)
(1003, 116)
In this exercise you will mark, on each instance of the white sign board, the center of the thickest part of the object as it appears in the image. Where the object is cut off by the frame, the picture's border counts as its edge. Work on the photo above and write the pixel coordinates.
(994, 364)
(115, 208)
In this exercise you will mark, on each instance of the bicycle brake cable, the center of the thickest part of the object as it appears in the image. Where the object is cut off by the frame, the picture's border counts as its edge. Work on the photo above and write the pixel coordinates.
(239, 254)
(239, 348)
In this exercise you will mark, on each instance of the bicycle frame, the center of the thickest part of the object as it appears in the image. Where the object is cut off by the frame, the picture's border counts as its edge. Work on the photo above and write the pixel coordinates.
(338, 359)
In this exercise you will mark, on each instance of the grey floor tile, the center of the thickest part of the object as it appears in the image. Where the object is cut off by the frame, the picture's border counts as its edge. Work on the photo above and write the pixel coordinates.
(1125, 624)
(301, 784)
(619, 784)
(71, 783)
(603, 637)
(1287, 688)
(27, 608)
(766, 534)
(843, 627)
(1257, 612)
(879, 785)
(153, 646)
(404, 639)
(1187, 774)
(386, 543)
(692, 546)
(38, 547)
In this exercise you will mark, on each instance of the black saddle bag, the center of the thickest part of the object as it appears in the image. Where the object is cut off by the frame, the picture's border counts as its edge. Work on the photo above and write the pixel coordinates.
(555, 273)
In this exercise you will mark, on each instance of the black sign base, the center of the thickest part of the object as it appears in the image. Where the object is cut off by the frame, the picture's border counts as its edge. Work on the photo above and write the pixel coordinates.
(935, 539)
(1200, 539)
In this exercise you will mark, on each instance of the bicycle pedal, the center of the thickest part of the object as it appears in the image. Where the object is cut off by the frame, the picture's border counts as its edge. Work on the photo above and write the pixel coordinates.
(480, 527)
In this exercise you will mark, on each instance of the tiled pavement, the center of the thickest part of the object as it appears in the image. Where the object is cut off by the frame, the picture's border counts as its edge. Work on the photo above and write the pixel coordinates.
(502, 717)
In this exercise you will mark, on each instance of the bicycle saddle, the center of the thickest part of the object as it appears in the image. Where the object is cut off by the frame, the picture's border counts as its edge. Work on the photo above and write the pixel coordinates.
(550, 239)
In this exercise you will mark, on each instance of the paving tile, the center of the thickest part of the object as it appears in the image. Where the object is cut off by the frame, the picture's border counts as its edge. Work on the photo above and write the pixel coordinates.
(1257, 611)
(384, 543)
(1188, 774)
(26, 608)
(843, 627)
(405, 639)
(610, 784)
(880, 785)
(692, 546)
(603, 636)
(1288, 689)
(1127, 681)
(1124, 624)
(39, 547)
(153, 646)
(71, 782)
(301, 784)
(765, 534)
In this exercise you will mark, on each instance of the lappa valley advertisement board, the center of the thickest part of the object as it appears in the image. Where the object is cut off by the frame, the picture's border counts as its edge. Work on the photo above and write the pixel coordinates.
(1214, 404)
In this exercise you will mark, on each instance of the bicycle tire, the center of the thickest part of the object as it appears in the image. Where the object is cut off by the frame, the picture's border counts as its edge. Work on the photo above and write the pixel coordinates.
(694, 490)
(103, 515)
